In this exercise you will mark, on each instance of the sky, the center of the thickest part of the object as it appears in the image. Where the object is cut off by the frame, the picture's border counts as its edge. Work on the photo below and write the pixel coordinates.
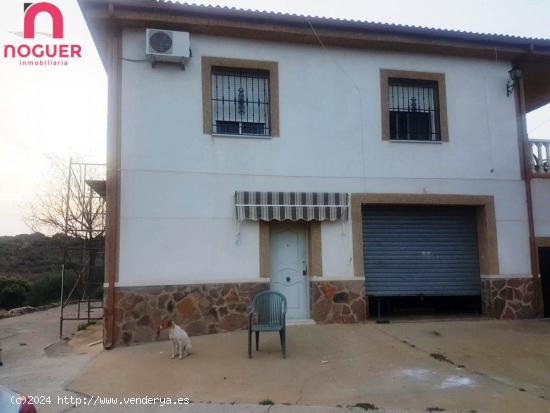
(50, 114)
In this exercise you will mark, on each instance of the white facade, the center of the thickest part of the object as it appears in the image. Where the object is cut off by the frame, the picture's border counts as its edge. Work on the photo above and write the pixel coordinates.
(540, 188)
(177, 222)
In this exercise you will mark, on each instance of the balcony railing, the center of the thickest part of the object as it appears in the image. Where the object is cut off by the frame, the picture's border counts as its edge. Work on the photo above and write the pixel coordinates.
(540, 148)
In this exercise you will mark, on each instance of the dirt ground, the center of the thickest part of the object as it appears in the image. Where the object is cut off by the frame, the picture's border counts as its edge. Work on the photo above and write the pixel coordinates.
(466, 366)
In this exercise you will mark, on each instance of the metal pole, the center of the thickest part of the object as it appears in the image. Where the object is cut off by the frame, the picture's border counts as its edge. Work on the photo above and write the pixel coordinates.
(68, 197)
(67, 200)
(90, 250)
(61, 303)
(88, 280)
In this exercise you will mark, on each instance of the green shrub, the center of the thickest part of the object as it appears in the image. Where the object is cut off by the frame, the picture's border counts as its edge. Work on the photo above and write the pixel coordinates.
(42, 289)
(13, 292)
(46, 288)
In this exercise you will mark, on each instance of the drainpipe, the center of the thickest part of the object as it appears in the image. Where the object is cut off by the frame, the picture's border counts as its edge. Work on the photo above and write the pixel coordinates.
(526, 161)
(113, 183)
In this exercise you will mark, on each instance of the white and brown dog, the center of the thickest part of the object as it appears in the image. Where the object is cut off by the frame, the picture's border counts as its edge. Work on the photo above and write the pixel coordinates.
(181, 343)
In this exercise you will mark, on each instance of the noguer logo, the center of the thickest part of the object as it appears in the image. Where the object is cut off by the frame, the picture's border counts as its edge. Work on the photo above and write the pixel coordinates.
(32, 10)
(36, 53)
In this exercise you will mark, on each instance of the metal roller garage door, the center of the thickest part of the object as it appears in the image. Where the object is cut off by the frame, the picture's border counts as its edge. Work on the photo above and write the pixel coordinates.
(419, 250)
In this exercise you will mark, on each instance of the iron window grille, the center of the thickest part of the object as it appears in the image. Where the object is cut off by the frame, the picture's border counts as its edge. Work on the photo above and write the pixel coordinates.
(414, 110)
(241, 102)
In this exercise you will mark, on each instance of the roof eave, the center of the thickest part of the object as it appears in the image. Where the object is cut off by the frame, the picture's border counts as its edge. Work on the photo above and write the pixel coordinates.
(135, 11)
(104, 15)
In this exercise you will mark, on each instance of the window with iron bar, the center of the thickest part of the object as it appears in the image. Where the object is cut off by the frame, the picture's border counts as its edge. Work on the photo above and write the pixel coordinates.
(240, 102)
(414, 110)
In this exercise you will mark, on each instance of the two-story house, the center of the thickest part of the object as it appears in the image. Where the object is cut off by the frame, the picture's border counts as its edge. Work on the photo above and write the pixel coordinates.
(339, 162)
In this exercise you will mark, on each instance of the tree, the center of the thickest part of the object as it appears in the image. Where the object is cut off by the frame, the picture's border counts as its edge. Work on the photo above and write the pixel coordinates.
(68, 204)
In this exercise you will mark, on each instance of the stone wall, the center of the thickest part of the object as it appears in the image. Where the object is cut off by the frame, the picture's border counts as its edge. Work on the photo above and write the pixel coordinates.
(338, 301)
(509, 299)
(199, 309)
(214, 308)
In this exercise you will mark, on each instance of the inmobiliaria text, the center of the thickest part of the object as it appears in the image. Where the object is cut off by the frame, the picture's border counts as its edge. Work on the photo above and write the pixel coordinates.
(43, 54)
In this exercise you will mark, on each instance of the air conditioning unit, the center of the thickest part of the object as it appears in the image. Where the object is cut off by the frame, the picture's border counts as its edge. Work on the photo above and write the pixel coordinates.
(167, 46)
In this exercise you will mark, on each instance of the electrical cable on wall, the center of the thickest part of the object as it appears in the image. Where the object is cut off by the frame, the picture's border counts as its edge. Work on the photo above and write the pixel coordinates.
(363, 163)
(134, 60)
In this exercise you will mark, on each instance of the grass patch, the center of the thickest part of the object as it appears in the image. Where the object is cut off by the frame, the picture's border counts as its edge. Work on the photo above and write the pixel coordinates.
(267, 402)
(435, 409)
(441, 357)
(366, 406)
(84, 326)
(436, 333)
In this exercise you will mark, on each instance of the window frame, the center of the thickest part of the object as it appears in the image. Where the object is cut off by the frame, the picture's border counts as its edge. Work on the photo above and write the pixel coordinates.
(272, 67)
(233, 116)
(386, 74)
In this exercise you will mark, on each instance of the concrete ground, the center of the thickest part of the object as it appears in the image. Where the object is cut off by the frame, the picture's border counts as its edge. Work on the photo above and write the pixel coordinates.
(453, 365)
(467, 366)
(36, 361)
(226, 408)
(514, 353)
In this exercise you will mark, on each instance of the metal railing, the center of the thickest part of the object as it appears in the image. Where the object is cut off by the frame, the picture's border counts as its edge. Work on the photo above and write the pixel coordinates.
(414, 110)
(240, 102)
(540, 148)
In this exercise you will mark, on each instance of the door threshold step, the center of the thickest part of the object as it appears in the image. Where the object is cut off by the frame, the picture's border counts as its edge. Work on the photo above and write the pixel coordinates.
(305, 322)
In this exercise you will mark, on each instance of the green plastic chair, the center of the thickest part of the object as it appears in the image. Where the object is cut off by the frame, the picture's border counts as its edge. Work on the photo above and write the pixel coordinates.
(267, 313)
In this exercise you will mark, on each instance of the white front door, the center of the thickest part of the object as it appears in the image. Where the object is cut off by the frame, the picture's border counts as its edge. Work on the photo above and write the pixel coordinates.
(289, 267)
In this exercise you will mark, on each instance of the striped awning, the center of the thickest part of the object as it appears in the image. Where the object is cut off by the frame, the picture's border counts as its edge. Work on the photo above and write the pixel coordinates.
(293, 206)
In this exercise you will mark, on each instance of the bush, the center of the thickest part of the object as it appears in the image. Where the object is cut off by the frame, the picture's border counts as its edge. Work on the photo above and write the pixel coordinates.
(46, 288)
(42, 289)
(13, 292)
